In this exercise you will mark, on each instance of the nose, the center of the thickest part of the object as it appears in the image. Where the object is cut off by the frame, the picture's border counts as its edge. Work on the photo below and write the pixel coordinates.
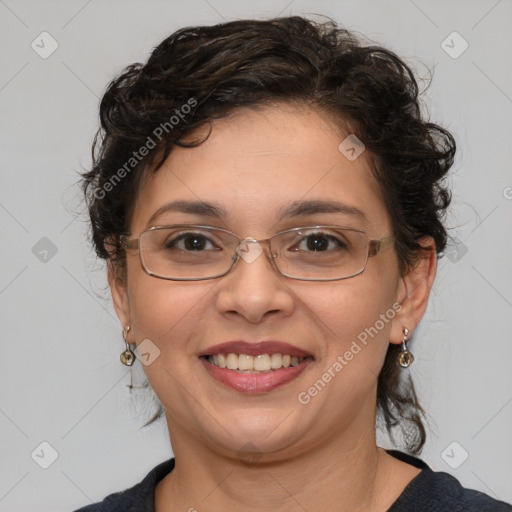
(254, 289)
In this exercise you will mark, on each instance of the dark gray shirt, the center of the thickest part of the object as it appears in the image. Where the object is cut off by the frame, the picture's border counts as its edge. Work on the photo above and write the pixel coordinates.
(429, 491)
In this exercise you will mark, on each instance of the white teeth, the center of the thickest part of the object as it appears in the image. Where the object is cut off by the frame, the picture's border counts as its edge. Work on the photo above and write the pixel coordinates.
(221, 358)
(262, 363)
(231, 362)
(250, 364)
(245, 362)
(276, 361)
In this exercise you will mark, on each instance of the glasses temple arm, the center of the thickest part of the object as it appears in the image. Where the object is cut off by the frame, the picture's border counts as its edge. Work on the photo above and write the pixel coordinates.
(377, 245)
(127, 243)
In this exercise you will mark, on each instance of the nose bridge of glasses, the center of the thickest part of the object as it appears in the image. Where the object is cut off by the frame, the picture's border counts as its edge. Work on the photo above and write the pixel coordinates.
(249, 249)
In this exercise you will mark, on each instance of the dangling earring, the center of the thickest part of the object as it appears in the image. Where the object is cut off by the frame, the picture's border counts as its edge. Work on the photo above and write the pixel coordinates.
(127, 357)
(405, 358)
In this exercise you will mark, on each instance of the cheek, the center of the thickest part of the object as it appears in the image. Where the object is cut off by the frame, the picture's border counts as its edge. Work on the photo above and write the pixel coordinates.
(355, 327)
(356, 318)
(167, 312)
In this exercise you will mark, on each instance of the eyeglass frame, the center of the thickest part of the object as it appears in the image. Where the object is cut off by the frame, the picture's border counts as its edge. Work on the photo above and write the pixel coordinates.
(374, 247)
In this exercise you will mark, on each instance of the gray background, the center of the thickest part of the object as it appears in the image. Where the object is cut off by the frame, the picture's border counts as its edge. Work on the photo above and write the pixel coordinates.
(61, 381)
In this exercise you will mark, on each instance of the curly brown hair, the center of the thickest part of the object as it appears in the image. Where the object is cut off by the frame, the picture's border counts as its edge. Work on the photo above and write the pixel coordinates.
(213, 70)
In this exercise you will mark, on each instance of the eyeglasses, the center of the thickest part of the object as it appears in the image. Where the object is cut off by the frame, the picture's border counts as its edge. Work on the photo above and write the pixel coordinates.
(188, 252)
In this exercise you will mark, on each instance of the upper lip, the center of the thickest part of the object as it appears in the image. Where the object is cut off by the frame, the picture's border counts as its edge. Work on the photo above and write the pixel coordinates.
(255, 348)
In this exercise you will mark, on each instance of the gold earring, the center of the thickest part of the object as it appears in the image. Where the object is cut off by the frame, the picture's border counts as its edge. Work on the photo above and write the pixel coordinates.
(405, 358)
(127, 357)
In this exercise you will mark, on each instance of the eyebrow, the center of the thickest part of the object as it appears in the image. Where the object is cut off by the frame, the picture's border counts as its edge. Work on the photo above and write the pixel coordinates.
(312, 207)
(192, 207)
(294, 209)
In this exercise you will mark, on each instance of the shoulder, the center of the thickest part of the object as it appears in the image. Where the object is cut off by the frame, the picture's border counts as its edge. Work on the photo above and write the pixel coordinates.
(441, 492)
(139, 498)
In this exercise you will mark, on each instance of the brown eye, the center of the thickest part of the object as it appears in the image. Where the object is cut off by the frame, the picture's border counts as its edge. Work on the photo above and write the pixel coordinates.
(319, 242)
(190, 242)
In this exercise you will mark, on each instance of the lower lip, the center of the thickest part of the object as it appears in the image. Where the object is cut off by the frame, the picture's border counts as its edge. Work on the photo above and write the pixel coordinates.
(255, 382)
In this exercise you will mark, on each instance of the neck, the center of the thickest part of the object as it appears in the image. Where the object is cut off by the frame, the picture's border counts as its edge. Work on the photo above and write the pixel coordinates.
(333, 476)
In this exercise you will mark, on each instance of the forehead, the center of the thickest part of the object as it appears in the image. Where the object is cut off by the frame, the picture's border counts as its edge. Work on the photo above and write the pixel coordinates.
(256, 166)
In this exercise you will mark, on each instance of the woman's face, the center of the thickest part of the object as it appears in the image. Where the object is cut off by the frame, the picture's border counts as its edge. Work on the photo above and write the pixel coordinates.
(253, 166)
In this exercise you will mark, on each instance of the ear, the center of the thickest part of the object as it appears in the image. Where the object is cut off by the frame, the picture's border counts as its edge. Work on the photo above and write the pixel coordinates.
(119, 296)
(414, 290)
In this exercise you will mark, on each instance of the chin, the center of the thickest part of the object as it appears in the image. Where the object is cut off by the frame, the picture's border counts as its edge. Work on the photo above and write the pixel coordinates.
(258, 433)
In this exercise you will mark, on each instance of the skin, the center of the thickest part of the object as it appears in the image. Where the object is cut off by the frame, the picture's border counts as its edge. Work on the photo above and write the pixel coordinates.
(318, 456)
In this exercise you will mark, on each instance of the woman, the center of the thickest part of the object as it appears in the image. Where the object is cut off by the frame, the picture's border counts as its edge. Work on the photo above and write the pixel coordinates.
(269, 201)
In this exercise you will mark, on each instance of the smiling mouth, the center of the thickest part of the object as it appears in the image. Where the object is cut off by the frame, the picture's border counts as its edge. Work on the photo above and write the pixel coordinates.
(260, 364)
